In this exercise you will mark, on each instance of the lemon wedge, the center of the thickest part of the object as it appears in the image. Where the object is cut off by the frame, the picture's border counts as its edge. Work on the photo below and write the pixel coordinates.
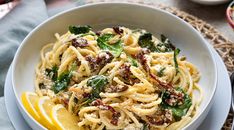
(62, 119)
(29, 100)
(44, 107)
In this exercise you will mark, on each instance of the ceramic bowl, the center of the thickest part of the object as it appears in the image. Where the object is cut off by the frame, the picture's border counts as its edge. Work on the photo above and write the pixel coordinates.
(210, 2)
(101, 15)
(230, 14)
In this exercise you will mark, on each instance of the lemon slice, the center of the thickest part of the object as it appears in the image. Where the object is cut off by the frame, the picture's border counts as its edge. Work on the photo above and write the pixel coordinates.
(62, 119)
(44, 106)
(29, 101)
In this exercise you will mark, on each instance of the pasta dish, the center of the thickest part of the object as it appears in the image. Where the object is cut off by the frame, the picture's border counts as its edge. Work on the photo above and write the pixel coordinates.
(119, 78)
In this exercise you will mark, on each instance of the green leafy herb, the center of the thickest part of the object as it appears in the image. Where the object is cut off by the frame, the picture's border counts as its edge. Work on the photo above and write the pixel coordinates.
(182, 110)
(178, 110)
(165, 39)
(115, 49)
(97, 83)
(79, 29)
(176, 52)
(87, 101)
(81, 103)
(105, 37)
(161, 72)
(145, 126)
(145, 41)
(133, 61)
(166, 44)
(74, 66)
(62, 82)
(52, 73)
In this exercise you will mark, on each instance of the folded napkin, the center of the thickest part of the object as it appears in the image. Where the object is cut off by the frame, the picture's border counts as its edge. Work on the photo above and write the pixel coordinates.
(13, 29)
(15, 26)
(5, 123)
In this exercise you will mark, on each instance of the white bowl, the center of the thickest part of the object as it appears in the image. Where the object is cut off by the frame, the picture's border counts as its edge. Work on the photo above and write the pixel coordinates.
(107, 15)
(210, 2)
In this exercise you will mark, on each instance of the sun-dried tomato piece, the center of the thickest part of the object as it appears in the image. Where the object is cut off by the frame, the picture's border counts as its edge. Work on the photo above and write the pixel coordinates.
(98, 33)
(118, 30)
(124, 71)
(163, 84)
(160, 118)
(86, 95)
(143, 61)
(117, 88)
(79, 42)
(102, 106)
(100, 61)
(103, 58)
(92, 62)
(126, 74)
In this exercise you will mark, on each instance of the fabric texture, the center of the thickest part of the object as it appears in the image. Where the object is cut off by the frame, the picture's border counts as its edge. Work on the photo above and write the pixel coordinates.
(5, 123)
(13, 29)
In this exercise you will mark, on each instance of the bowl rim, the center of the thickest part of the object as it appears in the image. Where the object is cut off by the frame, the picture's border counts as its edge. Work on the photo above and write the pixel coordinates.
(88, 5)
(210, 2)
(228, 14)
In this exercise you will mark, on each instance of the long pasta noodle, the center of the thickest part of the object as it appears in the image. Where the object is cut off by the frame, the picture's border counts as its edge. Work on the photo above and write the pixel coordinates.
(112, 79)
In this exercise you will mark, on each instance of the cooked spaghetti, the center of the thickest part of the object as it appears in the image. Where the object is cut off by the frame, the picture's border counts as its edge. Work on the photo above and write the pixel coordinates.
(119, 78)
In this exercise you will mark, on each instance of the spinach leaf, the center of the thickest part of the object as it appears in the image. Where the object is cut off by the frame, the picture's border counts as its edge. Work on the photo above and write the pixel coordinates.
(145, 41)
(164, 39)
(182, 109)
(176, 52)
(166, 44)
(79, 29)
(161, 72)
(145, 126)
(133, 61)
(178, 110)
(62, 82)
(97, 83)
(177, 113)
(115, 49)
(74, 66)
(52, 73)
(105, 37)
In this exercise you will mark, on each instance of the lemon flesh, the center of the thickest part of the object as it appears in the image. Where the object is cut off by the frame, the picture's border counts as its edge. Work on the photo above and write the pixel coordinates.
(44, 107)
(63, 120)
(29, 101)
